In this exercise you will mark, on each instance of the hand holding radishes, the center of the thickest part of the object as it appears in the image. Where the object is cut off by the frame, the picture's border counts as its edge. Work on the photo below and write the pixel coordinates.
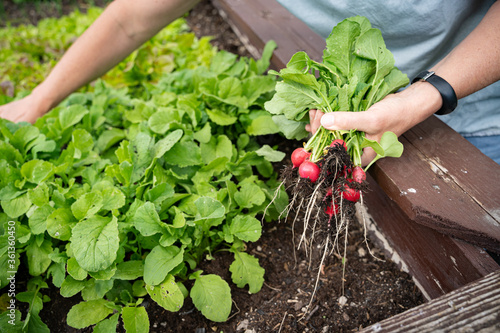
(356, 73)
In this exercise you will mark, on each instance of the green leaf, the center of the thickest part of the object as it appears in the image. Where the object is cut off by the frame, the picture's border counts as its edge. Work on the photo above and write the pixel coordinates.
(104, 274)
(107, 325)
(135, 319)
(60, 223)
(71, 115)
(205, 134)
(294, 100)
(184, 154)
(109, 138)
(389, 147)
(371, 45)
(220, 117)
(95, 242)
(17, 206)
(142, 150)
(39, 195)
(38, 220)
(245, 270)
(82, 140)
(96, 289)
(38, 257)
(9, 153)
(75, 270)
(129, 270)
(218, 146)
(23, 136)
(112, 198)
(262, 125)
(208, 208)
(87, 205)
(35, 324)
(159, 193)
(160, 261)
(249, 195)
(162, 121)
(147, 221)
(70, 287)
(11, 322)
(165, 144)
(212, 296)
(246, 228)
(167, 294)
(88, 313)
(291, 129)
(37, 171)
(340, 45)
(270, 154)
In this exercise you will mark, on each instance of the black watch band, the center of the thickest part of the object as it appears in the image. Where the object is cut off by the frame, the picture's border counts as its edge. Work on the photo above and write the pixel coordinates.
(445, 89)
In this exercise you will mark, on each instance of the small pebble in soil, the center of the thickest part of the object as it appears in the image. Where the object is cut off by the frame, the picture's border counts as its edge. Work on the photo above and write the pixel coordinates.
(243, 325)
(342, 300)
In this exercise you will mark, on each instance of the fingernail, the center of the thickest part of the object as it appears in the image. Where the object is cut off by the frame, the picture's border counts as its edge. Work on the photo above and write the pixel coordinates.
(327, 120)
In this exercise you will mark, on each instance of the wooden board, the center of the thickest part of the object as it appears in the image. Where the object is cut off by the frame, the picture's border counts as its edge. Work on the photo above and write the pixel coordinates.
(258, 21)
(472, 308)
(438, 263)
(442, 181)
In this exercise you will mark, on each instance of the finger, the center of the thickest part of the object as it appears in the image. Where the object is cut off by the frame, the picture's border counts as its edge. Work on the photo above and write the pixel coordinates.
(315, 119)
(361, 121)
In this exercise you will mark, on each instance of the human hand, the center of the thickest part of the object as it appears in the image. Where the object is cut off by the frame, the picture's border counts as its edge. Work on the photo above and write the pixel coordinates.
(27, 109)
(395, 113)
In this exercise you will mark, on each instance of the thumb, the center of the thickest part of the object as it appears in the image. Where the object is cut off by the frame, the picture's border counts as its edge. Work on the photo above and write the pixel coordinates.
(347, 120)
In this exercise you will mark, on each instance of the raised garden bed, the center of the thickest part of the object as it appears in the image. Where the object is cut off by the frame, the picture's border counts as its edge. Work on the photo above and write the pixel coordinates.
(374, 289)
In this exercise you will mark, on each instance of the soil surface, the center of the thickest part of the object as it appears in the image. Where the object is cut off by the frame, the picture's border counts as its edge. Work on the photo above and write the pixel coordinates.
(373, 289)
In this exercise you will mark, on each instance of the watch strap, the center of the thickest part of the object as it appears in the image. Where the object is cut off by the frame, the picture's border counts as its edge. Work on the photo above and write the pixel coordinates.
(445, 90)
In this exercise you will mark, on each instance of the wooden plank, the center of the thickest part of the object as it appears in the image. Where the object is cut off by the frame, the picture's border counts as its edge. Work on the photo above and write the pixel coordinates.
(472, 308)
(444, 182)
(467, 205)
(258, 21)
(438, 263)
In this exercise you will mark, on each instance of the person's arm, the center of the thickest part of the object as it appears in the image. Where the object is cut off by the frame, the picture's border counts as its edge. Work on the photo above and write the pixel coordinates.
(120, 29)
(471, 66)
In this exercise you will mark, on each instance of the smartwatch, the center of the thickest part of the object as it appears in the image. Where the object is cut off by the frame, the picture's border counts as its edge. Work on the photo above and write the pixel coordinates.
(445, 90)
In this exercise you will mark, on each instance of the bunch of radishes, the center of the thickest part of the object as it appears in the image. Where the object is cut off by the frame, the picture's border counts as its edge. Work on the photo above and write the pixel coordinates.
(345, 189)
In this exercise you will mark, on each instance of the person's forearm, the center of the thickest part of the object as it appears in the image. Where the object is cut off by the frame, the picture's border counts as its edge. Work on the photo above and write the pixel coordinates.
(121, 28)
(475, 62)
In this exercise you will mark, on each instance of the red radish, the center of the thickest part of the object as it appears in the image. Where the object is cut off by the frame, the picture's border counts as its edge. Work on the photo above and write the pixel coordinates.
(347, 171)
(299, 155)
(309, 170)
(350, 193)
(338, 142)
(358, 174)
(332, 210)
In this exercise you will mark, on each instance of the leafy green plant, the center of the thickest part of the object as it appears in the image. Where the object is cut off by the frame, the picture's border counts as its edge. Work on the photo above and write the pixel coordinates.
(357, 71)
(119, 193)
(28, 53)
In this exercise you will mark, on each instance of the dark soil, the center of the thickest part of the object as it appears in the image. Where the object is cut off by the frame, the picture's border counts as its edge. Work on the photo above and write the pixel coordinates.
(373, 289)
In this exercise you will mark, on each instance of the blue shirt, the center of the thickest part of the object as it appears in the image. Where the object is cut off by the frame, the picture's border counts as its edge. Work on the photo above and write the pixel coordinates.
(419, 33)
